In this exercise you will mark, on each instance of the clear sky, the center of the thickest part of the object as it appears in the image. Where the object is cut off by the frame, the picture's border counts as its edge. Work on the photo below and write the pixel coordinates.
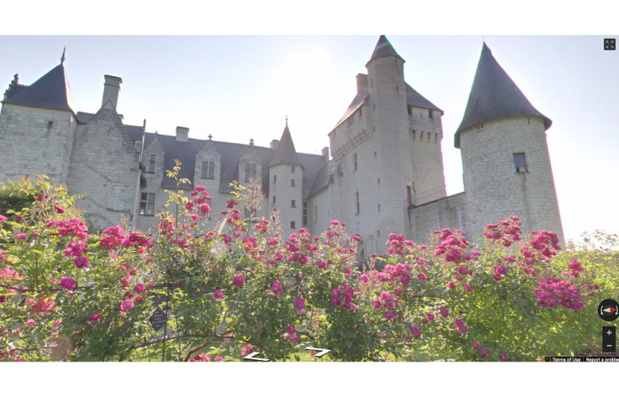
(238, 87)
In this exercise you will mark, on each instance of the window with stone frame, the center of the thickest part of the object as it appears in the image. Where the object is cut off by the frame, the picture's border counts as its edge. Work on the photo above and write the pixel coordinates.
(293, 225)
(293, 204)
(151, 163)
(251, 171)
(208, 170)
(293, 183)
(147, 204)
(357, 206)
(354, 162)
(520, 163)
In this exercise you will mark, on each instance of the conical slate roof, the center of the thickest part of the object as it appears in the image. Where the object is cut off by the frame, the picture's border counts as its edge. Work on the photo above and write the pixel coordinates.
(285, 152)
(494, 95)
(50, 91)
(383, 49)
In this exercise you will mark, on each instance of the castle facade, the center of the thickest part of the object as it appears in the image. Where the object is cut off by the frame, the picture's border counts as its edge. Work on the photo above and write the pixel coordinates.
(382, 174)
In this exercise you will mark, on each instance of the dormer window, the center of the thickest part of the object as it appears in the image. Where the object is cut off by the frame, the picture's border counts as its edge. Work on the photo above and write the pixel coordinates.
(151, 163)
(208, 170)
(250, 171)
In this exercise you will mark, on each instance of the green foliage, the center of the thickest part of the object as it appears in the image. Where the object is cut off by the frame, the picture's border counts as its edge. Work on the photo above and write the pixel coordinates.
(67, 294)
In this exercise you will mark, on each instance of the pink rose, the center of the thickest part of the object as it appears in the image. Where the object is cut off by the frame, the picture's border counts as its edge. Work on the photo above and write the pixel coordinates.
(126, 305)
(30, 323)
(294, 339)
(467, 287)
(139, 288)
(67, 283)
(422, 277)
(299, 303)
(95, 317)
(376, 304)
(60, 210)
(484, 353)
(415, 332)
(218, 294)
(430, 317)
(238, 281)
(189, 206)
(388, 314)
(218, 359)
(20, 236)
(475, 345)
(277, 287)
(291, 329)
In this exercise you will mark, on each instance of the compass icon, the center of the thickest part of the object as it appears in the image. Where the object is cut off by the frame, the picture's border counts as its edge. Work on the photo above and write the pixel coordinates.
(608, 310)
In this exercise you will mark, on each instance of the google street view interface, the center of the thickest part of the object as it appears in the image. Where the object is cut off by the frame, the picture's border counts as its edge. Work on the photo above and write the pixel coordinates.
(367, 198)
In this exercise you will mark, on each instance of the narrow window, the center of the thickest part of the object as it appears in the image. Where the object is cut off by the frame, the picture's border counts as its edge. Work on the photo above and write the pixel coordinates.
(292, 225)
(315, 214)
(292, 169)
(354, 162)
(379, 181)
(360, 112)
(409, 109)
(436, 137)
(520, 163)
(293, 204)
(375, 154)
(357, 203)
(304, 183)
(151, 163)
(379, 207)
(430, 114)
(147, 204)
(414, 135)
(292, 183)
(247, 171)
(274, 199)
(254, 171)
(409, 194)
(50, 125)
(208, 170)
(274, 179)
(305, 213)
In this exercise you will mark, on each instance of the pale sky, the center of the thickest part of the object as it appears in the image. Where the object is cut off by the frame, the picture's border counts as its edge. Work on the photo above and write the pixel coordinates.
(243, 86)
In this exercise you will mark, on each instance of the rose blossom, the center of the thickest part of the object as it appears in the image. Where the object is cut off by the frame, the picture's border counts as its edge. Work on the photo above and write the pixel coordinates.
(126, 305)
(95, 316)
(218, 294)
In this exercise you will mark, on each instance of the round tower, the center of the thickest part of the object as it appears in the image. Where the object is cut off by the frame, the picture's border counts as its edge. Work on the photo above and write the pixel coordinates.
(286, 184)
(505, 160)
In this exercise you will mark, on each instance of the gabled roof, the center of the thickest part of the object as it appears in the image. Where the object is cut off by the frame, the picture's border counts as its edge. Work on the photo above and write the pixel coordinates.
(383, 49)
(50, 91)
(494, 95)
(285, 152)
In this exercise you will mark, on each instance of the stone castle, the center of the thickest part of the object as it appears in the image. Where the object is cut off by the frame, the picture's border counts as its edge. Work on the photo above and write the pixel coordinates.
(384, 175)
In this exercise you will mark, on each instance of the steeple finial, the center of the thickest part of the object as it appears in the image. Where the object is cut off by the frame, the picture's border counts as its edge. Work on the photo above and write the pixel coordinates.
(63, 57)
(251, 141)
(286, 120)
(210, 137)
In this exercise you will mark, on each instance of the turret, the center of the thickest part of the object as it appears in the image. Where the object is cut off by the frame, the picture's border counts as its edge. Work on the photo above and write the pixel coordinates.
(505, 159)
(286, 184)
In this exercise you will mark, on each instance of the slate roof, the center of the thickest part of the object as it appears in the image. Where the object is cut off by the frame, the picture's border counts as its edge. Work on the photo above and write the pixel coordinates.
(285, 152)
(383, 49)
(50, 91)
(494, 95)
(413, 98)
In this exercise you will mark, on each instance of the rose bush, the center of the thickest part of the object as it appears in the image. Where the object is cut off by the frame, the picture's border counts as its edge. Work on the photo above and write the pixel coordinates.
(234, 286)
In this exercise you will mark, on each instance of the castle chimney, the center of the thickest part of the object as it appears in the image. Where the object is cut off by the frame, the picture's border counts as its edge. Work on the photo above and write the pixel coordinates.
(362, 82)
(182, 134)
(325, 153)
(111, 89)
(274, 144)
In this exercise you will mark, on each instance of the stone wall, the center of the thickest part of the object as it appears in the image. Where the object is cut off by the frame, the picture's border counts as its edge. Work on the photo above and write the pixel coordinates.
(494, 189)
(449, 212)
(30, 146)
(104, 166)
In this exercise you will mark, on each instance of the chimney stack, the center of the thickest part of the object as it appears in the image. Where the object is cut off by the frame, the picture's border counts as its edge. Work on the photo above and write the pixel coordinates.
(274, 144)
(325, 153)
(111, 89)
(362, 82)
(182, 134)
